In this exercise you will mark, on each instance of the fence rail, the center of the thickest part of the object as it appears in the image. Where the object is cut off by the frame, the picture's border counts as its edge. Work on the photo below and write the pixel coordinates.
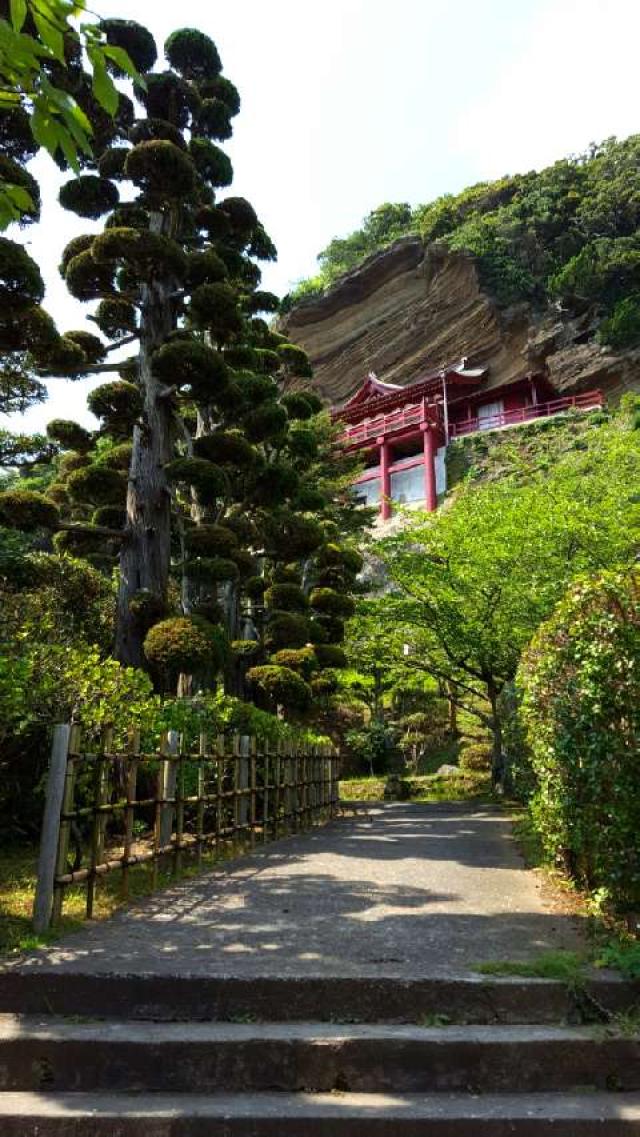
(108, 810)
(588, 400)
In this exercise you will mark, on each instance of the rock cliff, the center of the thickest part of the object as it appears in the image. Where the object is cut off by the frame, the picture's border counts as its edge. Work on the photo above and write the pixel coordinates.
(408, 310)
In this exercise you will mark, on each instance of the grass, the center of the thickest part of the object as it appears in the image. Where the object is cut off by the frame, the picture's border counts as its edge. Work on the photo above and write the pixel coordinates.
(17, 890)
(466, 786)
(566, 966)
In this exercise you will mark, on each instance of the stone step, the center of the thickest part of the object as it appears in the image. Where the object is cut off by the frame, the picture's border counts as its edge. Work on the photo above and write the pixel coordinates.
(326, 998)
(321, 1115)
(58, 1055)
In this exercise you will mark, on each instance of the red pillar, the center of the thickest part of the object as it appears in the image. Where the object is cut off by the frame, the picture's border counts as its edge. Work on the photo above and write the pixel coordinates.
(385, 480)
(430, 498)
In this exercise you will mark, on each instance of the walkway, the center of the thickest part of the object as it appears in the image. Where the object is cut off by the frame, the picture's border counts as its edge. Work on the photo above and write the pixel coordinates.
(416, 891)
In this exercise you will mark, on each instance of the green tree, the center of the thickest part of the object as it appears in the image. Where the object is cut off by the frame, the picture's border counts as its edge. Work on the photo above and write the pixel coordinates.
(471, 584)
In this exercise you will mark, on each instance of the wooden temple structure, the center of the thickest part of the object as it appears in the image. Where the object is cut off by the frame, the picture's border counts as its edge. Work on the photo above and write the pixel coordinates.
(403, 431)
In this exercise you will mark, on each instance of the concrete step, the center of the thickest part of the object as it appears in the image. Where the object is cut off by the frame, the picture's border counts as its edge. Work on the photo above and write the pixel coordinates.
(322, 1115)
(58, 1055)
(326, 998)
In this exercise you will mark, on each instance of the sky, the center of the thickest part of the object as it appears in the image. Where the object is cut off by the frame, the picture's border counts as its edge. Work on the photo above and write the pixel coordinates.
(351, 103)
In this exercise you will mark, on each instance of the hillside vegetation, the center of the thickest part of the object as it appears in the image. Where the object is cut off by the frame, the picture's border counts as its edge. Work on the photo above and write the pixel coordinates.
(569, 233)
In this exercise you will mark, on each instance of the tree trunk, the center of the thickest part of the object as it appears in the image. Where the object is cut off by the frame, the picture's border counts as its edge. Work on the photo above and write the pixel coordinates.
(145, 554)
(497, 757)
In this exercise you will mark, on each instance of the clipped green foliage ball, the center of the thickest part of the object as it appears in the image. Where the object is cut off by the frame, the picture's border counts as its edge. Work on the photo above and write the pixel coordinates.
(133, 38)
(21, 283)
(208, 481)
(333, 628)
(70, 435)
(266, 422)
(211, 570)
(76, 245)
(212, 221)
(332, 603)
(186, 644)
(282, 686)
(117, 457)
(263, 302)
(291, 535)
(211, 162)
(89, 196)
(193, 54)
(98, 485)
(211, 541)
(245, 649)
(87, 278)
(297, 406)
(93, 348)
(26, 510)
(154, 129)
(286, 597)
(241, 214)
(148, 254)
(331, 655)
(147, 607)
(72, 460)
(79, 543)
(111, 163)
(324, 685)
(302, 659)
(169, 97)
(118, 404)
(286, 629)
(161, 170)
(274, 484)
(213, 120)
(191, 364)
(295, 360)
(225, 447)
(223, 89)
(111, 516)
(205, 268)
(215, 307)
(309, 500)
(255, 587)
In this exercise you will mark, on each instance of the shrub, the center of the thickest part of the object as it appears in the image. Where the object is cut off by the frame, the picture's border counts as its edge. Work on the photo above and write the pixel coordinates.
(286, 629)
(192, 54)
(110, 516)
(161, 170)
(132, 38)
(211, 541)
(23, 509)
(212, 570)
(89, 196)
(184, 644)
(208, 481)
(301, 659)
(255, 587)
(475, 756)
(192, 364)
(225, 447)
(286, 597)
(331, 655)
(99, 485)
(69, 434)
(211, 162)
(118, 404)
(21, 283)
(332, 603)
(581, 707)
(282, 686)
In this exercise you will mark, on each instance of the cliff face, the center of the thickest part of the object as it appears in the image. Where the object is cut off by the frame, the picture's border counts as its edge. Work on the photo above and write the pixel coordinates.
(407, 311)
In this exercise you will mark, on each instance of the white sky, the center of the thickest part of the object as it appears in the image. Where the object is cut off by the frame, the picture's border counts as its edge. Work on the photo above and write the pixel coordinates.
(350, 103)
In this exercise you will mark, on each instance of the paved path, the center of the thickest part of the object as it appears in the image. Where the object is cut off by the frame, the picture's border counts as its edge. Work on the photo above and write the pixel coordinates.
(417, 890)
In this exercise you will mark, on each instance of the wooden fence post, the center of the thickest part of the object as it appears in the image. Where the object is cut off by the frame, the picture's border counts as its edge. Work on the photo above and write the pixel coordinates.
(43, 902)
(169, 782)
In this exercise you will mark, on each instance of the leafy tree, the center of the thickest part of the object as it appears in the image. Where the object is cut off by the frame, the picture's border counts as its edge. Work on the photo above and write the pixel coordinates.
(46, 98)
(471, 584)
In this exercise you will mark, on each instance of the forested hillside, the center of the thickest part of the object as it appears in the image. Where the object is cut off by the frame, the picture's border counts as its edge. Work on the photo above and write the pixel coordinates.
(568, 234)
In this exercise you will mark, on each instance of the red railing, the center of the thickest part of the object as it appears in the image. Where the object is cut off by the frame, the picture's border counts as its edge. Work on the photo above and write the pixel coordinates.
(398, 420)
(584, 402)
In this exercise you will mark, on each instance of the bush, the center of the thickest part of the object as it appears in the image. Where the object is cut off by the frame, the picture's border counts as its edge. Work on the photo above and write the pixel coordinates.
(287, 597)
(286, 629)
(98, 485)
(187, 644)
(211, 541)
(475, 756)
(331, 655)
(23, 509)
(581, 707)
(332, 603)
(282, 686)
(89, 196)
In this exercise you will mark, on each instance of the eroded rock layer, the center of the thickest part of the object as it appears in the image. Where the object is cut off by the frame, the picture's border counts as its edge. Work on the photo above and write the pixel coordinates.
(408, 311)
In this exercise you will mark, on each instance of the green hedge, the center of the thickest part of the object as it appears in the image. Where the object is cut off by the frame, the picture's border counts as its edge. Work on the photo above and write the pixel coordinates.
(580, 683)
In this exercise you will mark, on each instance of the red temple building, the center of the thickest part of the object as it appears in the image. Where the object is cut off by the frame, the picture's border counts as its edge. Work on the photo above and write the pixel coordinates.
(403, 432)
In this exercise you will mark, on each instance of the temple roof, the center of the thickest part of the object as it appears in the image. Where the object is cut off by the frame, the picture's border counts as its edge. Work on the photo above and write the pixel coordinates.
(375, 391)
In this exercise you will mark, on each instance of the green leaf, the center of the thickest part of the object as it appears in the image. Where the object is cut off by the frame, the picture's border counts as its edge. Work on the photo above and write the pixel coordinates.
(9, 98)
(104, 88)
(50, 35)
(122, 59)
(44, 130)
(18, 13)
